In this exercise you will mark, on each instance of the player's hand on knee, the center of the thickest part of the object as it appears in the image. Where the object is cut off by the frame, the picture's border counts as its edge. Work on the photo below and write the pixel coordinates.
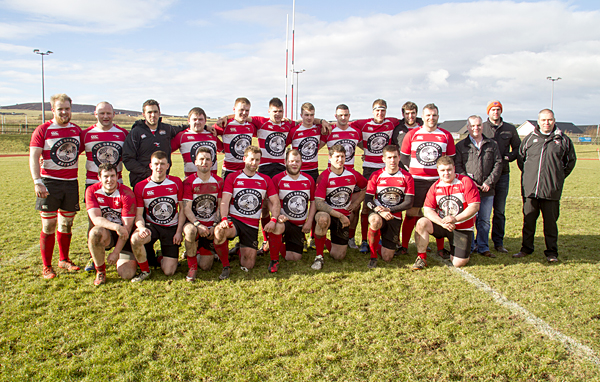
(112, 258)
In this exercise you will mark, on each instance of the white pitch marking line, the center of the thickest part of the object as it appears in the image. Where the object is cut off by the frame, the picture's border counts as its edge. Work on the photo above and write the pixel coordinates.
(571, 344)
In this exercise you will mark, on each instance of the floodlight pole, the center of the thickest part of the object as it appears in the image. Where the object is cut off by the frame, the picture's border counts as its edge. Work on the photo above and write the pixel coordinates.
(296, 72)
(552, 97)
(37, 51)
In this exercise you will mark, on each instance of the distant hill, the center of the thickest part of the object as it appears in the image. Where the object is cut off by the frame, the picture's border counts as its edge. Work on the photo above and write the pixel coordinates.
(76, 108)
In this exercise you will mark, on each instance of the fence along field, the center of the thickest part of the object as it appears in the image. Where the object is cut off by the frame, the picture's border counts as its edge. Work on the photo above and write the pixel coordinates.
(343, 323)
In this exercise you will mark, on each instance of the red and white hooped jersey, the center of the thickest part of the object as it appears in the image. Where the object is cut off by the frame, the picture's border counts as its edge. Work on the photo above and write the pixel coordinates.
(204, 197)
(236, 137)
(295, 194)
(114, 207)
(188, 142)
(248, 195)
(306, 140)
(388, 190)
(375, 136)
(452, 199)
(272, 139)
(160, 200)
(348, 138)
(425, 148)
(61, 147)
(103, 146)
(337, 190)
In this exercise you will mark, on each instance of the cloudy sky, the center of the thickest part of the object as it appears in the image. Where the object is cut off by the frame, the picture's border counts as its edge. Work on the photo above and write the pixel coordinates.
(459, 55)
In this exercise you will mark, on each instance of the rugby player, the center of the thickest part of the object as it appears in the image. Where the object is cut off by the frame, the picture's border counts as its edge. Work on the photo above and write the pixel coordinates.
(201, 199)
(344, 134)
(390, 191)
(58, 143)
(449, 211)
(408, 122)
(111, 208)
(339, 192)
(158, 199)
(244, 193)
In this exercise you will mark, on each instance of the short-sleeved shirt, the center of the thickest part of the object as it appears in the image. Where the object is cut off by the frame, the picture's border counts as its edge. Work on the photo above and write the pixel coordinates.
(160, 200)
(389, 190)
(248, 195)
(295, 194)
(272, 139)
(337, 190)
(452, 199)
(103, 146)
(236, 137)
(375, 136)
(114, 207)
(204, 197)
(348, 138)
(306, 140)
(61, 147)
(188, 142)
(425, 148)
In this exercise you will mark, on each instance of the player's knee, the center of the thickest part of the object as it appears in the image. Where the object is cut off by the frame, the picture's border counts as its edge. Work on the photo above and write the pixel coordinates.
(95, 236)
(387, 257)
(136, 240)
(322, 220)
(375, 221)
(49, 221)
(293, 256)
(127, 270)
(422, 225)
(189, 231)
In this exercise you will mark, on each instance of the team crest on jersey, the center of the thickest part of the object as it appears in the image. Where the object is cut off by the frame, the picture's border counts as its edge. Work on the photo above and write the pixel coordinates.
(209, 145)
(64, 152)
(248, 201)
(390, 196)
(106, 152)
(377, 142)
(111, 215)
(309, 148)
(427, 153)
(162, 210)
(449, 205)
(238, 145)
(349, 148)
(275, 144)
(339, 198)
(295, 204)
(204, 206)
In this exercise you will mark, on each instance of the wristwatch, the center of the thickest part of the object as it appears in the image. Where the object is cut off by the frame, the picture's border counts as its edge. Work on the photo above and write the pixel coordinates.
(197, 223)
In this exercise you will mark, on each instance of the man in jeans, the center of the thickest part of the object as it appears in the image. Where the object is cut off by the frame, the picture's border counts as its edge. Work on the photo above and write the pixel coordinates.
(478, 157)
(508, 141)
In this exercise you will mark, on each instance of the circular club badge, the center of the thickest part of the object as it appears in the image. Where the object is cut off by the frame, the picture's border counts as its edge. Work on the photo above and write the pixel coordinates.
(162, 210)
(427, 153)
(111, 215)
(275, 144)
(309, 147)
(106, 152)
(248, 201)
(65, 151)
(449, 205)
(339, 198)
(377, 142)
(349, 148)
(295, 204)
(204, 206)
(238, 145)
(390, 197)
(209, 145)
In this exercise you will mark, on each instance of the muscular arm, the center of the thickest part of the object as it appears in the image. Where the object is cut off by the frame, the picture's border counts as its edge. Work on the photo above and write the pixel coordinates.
(224, 206)
(405, 160)
(122, 240)
(180, 223)
(405, 205)
(274, 205)
(34, 166)
(187, 211)
(321, 205)
(312, 211)
(468, 212)
(99, 221)
(356, 199)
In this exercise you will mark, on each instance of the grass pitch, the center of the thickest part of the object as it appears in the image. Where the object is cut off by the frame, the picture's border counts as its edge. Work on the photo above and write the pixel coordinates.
(344, 323)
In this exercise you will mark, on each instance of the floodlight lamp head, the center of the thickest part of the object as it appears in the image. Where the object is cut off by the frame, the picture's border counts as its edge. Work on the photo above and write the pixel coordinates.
(36, 51)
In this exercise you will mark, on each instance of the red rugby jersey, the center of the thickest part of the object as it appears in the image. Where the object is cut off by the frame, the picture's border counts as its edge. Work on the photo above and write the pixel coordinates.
(389, 190)
(188, 142)
(248, 195)
(348, 138)
(375, 136)
(204, 197)
(306, 140)
(337, 190)
(295, 195)
(272, 139)
(236, 137)
(61, 147)
(114, 207)
(160, 200)
(425, 148)
(103, 147)
(452, 199)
